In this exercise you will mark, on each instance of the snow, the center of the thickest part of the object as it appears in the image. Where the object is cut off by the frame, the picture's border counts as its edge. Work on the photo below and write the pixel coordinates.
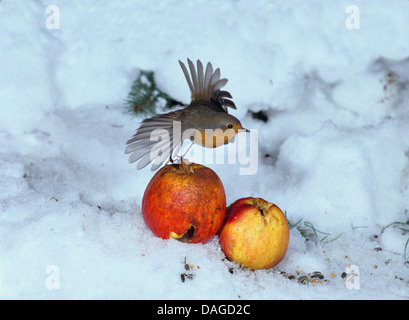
(333, 154)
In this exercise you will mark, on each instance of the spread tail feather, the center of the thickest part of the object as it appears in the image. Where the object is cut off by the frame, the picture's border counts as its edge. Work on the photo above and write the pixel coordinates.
(206, 85)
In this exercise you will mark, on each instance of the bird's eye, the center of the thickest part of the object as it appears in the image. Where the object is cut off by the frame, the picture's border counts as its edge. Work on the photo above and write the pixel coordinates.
(230, 126)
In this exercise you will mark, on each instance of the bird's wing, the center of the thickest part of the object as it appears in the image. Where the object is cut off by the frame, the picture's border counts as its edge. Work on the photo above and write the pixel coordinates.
(205, 85)
(155, 140)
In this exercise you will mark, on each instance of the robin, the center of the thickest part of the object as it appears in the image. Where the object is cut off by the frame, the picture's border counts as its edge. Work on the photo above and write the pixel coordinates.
(206, 119)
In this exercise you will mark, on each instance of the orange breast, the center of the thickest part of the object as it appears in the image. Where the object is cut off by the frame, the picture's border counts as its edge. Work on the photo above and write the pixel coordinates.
(213, 138)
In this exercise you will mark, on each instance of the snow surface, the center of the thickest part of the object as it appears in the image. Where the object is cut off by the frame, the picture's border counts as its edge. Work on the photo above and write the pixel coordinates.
(333, 154)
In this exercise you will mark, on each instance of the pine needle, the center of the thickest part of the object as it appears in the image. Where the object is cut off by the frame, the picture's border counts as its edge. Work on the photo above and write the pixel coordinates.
(307, 230)
(145, 98)
(404, 227)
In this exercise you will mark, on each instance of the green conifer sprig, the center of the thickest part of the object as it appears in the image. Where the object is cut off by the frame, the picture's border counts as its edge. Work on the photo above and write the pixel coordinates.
(145, 98)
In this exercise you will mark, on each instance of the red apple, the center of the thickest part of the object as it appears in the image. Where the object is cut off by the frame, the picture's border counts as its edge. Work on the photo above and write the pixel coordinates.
(255, 233)
(185, 202)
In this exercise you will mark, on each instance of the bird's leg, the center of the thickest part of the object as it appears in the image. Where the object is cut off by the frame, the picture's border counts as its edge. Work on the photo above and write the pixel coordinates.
(175, 150)
(181, 158)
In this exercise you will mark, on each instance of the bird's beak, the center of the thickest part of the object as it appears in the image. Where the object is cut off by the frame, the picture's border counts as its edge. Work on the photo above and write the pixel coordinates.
(241, 129)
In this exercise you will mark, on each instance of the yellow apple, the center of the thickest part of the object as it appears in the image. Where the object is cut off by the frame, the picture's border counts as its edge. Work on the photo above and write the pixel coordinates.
(254, 234)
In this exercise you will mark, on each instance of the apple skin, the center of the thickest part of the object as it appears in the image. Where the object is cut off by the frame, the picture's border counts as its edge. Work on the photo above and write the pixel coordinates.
(254, 234)
(185, 202)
